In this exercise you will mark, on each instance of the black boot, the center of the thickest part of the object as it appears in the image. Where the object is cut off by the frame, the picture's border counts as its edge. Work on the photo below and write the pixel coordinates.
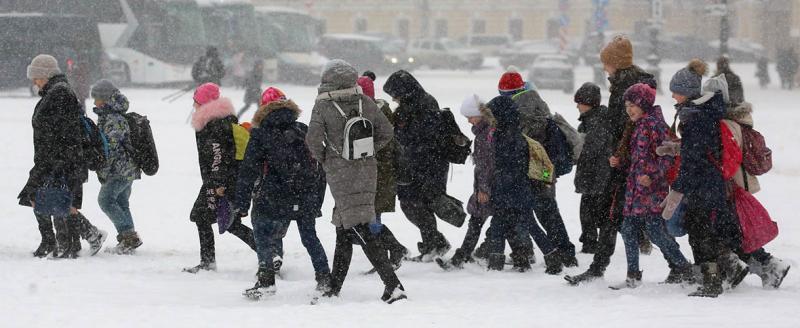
(633, 280)
(69, 242)
(521, 262)
(497, 261)
(712, 282)
(323, 281)
(48, 244)
(94, 236)
(397, 252)
(568, 260)
(552, 263)
(590, 275)
(482, 252)
(394, 294)
(733, 269)
(680, 275)
(265, 285)
(203, 266)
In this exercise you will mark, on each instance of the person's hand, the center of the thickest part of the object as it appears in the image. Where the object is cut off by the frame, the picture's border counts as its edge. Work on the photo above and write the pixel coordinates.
(220, 191)
(73, 211)
(483, 197)
(644, 180)
(613, 161)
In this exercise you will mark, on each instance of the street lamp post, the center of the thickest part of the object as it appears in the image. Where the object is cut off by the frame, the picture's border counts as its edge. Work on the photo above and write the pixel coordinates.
(653, 59)
(724, 29)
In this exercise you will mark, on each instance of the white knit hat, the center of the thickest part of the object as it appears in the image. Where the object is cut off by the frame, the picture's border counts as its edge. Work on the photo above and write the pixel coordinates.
(471, 106)
(43, 67)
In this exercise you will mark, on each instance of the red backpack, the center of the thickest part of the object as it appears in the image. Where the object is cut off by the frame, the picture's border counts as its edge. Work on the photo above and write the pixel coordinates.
(756, 157)
(731, 153)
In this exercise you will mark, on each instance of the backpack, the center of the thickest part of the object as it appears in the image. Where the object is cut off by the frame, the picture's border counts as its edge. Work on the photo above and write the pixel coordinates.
(358, 141)
(141, 146)
(558, 149)
(539, 166)
(756, 156)
(94, 144)
(574, 139)
(454, 147)
(291, 172)
(731, 153)
(240, 137)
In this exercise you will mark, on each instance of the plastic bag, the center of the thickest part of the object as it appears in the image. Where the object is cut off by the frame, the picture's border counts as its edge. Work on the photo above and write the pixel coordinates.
(224, 215)
(757, 226)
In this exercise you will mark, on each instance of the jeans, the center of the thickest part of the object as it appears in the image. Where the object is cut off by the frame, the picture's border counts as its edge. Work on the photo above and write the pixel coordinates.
(269, 232)
(655, 228)
(113, 199)
(546, 209)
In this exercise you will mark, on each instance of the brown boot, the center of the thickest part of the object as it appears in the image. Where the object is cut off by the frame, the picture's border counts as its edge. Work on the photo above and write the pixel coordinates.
(128, 242)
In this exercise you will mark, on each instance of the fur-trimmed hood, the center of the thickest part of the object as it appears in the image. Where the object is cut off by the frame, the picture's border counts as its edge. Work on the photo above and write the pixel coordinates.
(214, 110)
(741, 113)
(264, 111)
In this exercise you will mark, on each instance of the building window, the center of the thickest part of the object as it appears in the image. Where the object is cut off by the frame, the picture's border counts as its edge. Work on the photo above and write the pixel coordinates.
(515, 29)
(403, 29)
(441, 28)
(478, 26)
(361, 25)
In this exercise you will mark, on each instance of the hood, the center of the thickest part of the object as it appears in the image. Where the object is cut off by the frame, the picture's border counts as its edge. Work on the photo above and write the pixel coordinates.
(401, 85)
(634, 74)
(655, 112)
(265, 112)
(337, 75)
(117, 104)
(713, 107)
(742, 114)
(505, 112)
(56, 79)
(214, 110)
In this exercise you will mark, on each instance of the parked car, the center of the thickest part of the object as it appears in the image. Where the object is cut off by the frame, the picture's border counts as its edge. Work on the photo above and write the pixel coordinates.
(365, 52)
(445, 53)
(553, 72)
(524, 53)
(488, 45)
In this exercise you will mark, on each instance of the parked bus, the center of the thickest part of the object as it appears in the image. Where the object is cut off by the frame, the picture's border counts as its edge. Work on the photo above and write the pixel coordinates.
(296, 34)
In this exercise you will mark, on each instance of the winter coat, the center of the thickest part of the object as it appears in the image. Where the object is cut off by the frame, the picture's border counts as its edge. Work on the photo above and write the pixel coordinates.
(593, 173)
(387, 183)
(621, 81)
(353, 183)
(533, 114)
(422, 171)
(512, 188)
(57, 135)
(483, 158)
(272, 159)
(649, 132)
(111, 121)
(208, 68)
(252, 85)
(736, 117)
(699, 178)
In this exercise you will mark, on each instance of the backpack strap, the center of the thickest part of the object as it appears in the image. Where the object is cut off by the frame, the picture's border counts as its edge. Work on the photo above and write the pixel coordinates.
(360, 108)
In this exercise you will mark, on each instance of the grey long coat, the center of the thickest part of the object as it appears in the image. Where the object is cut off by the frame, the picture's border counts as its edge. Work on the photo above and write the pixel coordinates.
(352, 183)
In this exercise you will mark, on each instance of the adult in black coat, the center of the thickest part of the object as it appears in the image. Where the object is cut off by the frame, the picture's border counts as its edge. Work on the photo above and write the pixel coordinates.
(213, 122)
(735, 89)
(208, 68)
(422, 171)
(57, 132)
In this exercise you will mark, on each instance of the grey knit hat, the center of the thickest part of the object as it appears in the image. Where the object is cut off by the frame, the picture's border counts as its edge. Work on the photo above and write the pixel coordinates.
(43, 67)
(103, 89)
(688, 80)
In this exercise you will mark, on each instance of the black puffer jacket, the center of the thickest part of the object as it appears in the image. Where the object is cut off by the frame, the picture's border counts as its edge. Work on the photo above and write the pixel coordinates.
(621, 81)
(422, 171)
(57, 135)
(593, 172)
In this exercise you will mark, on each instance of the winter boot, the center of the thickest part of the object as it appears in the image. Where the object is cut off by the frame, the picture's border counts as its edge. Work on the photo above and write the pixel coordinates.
(394, 294)
(712, 282)
(521, 262)
(265, 285)
(497, 261)
(771, 273)
(396, 250)
(552, 263)
(69, 241)
(733, 269)
(568, 260)
(128, 242)
(96, 238)
(680, 275)
(323, 281)
(589, 248)
(588, 276)
(203, 266)
(48, 244)
(633, 280)
(482, 252)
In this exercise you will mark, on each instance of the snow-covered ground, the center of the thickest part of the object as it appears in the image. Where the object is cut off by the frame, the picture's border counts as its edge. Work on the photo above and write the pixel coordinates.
(149, 289)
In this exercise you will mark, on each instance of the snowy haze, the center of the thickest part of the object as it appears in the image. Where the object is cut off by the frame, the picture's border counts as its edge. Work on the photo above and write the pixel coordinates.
(149, 289)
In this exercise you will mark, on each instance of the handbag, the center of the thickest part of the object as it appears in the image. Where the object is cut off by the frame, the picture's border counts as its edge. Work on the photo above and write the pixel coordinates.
(675, 224)
(450, 210)
(757, 226)
(53, 198)
(224, 214)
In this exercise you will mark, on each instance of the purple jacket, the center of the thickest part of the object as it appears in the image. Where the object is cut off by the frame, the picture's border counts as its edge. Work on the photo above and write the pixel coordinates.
(483, 157)
(648, 134)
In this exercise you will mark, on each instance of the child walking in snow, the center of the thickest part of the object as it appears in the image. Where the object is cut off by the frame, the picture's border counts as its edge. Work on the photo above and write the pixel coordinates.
(646, 185)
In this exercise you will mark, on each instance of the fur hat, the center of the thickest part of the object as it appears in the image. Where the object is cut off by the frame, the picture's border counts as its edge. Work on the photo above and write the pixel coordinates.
(618, 53)
(588, 94)
(206, 93)
(688, 80)
(270, 95)
(103, 90)
(511, 81)
(367, 86)
(43, 67)
(471, 106)
(642, 95)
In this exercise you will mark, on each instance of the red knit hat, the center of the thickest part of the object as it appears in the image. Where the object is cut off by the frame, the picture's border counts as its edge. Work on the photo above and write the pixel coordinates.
(206, 93)
(511, 80)
(367, 86)
(272, 94)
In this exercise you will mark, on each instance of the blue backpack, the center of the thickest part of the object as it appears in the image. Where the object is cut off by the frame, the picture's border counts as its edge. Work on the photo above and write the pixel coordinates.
(558, 149)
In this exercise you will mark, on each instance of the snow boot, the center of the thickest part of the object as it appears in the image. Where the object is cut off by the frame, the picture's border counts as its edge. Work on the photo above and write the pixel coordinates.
(203, 266)
(712, 282)
(390, 243)
(552, 263)
(394, 294)
(396, 257)
(772, 273)
(482, 252)
(265, 285)
(68, 238)
(589, 248)
(96, 238)
(455, 262)
(588, 276)
(567, 260)
(323, 281)
(633, 280)
(733, 269)
(680, 275)
(128, 242)
(521, 262)
(48, 244)
(497, 261)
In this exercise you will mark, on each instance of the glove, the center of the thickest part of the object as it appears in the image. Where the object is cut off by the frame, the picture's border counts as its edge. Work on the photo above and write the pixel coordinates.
(670, 204)
(669, 148)
(375, 227)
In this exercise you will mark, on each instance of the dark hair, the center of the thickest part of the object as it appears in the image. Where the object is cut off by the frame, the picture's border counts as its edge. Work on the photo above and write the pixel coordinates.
(370, 75)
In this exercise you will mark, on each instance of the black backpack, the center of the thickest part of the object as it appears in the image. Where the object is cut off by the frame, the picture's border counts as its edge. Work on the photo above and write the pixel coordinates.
(454, 146)
(558, 149)
(94, 145)
(140, 144)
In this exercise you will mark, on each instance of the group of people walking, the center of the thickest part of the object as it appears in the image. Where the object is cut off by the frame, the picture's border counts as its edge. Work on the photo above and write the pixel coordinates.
(632, 171)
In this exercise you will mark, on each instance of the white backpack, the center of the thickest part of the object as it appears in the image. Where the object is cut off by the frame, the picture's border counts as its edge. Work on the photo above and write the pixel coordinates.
(357, 137)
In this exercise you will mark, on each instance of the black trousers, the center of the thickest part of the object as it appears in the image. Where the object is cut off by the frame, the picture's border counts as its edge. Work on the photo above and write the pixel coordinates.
(594, 209)
(206, 234)
(706, 243)
(610, 214)
(360, 234)
(420, 213)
